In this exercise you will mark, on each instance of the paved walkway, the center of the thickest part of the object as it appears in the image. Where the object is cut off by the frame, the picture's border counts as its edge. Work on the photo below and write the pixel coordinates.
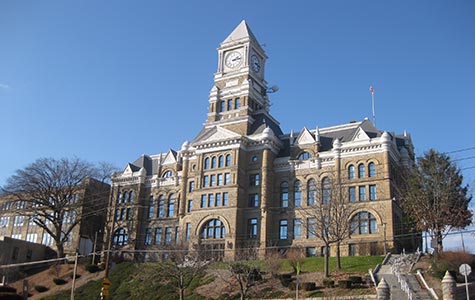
(401, 264)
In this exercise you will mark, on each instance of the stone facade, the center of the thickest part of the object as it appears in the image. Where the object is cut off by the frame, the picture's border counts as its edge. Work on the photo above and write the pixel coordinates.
(243, 184)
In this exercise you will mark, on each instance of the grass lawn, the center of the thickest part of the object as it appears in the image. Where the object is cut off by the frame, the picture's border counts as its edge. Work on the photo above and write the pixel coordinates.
(360, 264)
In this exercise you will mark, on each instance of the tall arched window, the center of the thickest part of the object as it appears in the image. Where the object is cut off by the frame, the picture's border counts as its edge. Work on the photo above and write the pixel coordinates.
(284, 194)
(151, 207)
(364, 223)
(171, 206)
(213, 162)
(131, 196)
(228, 160)
(326, 190)
(213, 229)
(311, 192)
(304, 156)
(361, 171)
(297, 193)
(120, 237)
(206, 164)
(220, 161)
(125, 196)
(167, 174)
(161, 207)
(119, 198)
(372, 169)
(351, 172)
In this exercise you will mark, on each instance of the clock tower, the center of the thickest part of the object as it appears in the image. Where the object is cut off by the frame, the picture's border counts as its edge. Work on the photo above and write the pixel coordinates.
(239, 92)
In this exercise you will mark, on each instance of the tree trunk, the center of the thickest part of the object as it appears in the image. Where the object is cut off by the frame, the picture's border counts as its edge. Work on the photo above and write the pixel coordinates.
(440, 246)
(327, 258)
(60, 249)
(182, 294)
(338, 259)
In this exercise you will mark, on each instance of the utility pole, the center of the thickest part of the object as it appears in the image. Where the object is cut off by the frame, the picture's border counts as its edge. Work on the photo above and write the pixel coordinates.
(73, 286)
(106, 282)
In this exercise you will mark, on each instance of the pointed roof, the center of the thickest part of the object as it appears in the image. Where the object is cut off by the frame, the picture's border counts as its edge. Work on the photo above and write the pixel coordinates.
(241, 32)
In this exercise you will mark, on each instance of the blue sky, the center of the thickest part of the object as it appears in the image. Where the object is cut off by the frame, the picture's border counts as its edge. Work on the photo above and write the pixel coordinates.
(111, 80)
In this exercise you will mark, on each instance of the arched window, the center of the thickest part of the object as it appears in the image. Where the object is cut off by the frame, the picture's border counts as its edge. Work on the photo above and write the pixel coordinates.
(364, 223)
(297, 193)
(351, 172)
(151, 207)
(361, 171)
(119, 198)
(120, 237)
(125, 196)
(206, 166)
(284, 194)
(326, 190)
(213, 229)
(161, 205)
(220, 161)
(372, 169)
(167, 174)
(228, 160)
(213, 162)
(131, 196)
(171, 206)
(304, 156)
(311, 192)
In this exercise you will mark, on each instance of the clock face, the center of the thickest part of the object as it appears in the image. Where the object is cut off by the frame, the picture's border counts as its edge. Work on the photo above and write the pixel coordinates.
(233, 59)
(255, 63)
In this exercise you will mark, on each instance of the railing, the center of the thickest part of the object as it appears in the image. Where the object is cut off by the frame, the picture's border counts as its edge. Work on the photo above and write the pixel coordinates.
(395, 269)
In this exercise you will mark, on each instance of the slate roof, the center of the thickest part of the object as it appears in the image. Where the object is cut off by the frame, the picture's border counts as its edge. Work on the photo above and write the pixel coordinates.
(261, 122)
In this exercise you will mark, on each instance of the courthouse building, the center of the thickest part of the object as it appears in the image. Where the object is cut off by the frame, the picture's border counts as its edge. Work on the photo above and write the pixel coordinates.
(243, 183)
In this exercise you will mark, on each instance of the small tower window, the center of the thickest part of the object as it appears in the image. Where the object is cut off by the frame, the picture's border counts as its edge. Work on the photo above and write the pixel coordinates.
(222, 106)
(304, 156)
(237, 103)
(230, 104)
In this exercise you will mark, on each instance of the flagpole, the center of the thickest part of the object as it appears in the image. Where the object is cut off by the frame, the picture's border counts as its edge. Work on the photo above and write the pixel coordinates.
(371, 89)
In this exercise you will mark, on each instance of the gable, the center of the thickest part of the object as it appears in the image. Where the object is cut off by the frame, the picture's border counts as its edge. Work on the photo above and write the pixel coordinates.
(170, 158)
(215, 134)
(360, 135)
(305, 138)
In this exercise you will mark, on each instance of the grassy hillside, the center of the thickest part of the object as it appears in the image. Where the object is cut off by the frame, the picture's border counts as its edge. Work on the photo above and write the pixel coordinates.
(144, 282)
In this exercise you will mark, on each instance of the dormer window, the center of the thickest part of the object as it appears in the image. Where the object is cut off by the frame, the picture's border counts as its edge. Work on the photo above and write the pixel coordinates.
(304, 156)
(167, 174)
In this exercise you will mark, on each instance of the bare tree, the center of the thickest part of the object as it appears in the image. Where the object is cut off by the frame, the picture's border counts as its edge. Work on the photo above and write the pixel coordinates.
(182, 267)
(328, 218)
(434, 196)
(245, 272)
(47, 192)
(295, 256)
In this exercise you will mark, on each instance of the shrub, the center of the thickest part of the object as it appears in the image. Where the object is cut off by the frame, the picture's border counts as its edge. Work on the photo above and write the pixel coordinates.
(59, 281)
(92, 268)
(328, 283)
(285, 279)
(356, 279)
(309, 286)
(40, 288)
(7, 289)
(450, 261)
(292, 286)
(72, 275)
(345, 284)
